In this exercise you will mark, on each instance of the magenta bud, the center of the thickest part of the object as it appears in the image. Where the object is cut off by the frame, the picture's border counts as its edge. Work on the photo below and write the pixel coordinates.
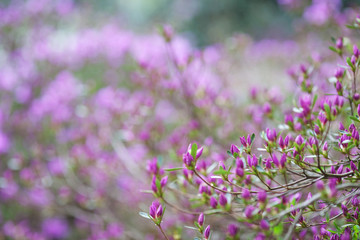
(353, 166)
(317, 129)
(168, 32)
(267, 108)
(262, 196)
(234, 149)
(309, 196)
(213, 202)
(344, 209)
(232, 230)
(249, 211)
(355, 201)
(249, 160)
(240, 172)
(356, 97)
(276, 161)
(356, 51)
(286, 141)
(255, 161)
(283, 160)
(164, 181)
(221, 164)
(338, 86)
(222, 200)
(325, 147)
(248, 139)
(341, 126)
(271, 134)
(289, 119)
(188, 159)
(264, 225)
(339, 73)
(268, 163)
(239, 163)
(199, 152)
(281, 142)
(355, 135)
(153, 185)
(339, 43)
(299, 140)
(340, 169)
(353, 60)
(243, 141)
(320, 185)
(201, 219)
(207, 232)
(303, 68)
(246, 194)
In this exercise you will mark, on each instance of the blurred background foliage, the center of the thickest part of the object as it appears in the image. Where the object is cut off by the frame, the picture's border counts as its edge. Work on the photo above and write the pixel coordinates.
(203, 21)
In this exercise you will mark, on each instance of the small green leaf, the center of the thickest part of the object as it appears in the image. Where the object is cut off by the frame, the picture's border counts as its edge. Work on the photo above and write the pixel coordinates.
(194, 149)
(354, 118)
(252, 137)
(278, 229)
(173, 169)
(334, 49)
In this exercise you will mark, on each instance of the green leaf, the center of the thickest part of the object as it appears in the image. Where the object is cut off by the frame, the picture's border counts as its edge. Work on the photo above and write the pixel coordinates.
(354, 118)
(278, 229)
(194, 149)
(230, 154)
(144, 215)
(351, 27)
(314, 100)
(221, 171)
(173, 169)
(252, 137)
(334, 49)
(327, 110)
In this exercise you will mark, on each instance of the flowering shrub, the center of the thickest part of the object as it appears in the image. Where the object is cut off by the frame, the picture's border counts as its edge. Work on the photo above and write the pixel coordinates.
(95, 123)
(300, 181)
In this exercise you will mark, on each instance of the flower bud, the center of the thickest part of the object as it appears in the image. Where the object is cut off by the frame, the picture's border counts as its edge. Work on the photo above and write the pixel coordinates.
(276, 161)
(339, 43)
(283, 160)
(338, 86)
(264, 224)
(299, 140)
(246, 194)
(234, 149)
(243, 141)
(340, 169)
(249, 211)
(232, 230)
(201, 219)
(344, 209)
(222, 200)
(356, 97)
(207, 232)
(320, 185)
(355, 201)
(356, 51)
(353, 60)
(262, 196)
(353, 166)
(213, 202)
(339, 73)
(164, 181)
(240, 172)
